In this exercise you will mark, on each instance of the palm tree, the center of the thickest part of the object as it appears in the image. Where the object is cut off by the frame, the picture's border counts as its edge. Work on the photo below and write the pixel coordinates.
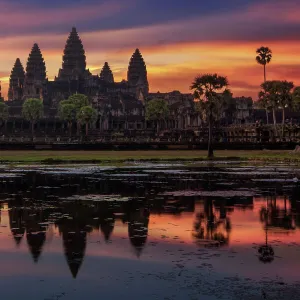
(264, 56)
(277, 94)
(32, 111)
(210, 90)
(270, 92)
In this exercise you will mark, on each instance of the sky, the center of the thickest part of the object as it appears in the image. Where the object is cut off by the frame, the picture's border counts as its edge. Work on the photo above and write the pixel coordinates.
(179, 39)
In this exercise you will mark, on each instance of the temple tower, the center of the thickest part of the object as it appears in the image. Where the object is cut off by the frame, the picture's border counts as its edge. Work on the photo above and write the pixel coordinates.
(74, 59)
(16, 81)
(35, 74)
(137, 73)
(106, 74)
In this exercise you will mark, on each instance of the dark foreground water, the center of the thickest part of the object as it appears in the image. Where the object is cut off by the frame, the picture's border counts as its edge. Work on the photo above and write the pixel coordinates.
(150, 231)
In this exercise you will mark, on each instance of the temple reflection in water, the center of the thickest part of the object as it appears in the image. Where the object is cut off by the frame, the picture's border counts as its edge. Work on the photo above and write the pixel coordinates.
(41, 205)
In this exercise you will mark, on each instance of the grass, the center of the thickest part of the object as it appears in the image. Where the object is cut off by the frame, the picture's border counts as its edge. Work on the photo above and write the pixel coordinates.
(54, 157)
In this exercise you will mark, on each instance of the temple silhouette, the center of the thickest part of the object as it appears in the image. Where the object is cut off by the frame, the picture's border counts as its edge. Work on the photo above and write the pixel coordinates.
(121, 105)
(74, 77)
(33, 211)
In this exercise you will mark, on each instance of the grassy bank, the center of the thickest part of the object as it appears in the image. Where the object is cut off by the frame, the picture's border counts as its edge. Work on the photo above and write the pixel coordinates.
(122, 156)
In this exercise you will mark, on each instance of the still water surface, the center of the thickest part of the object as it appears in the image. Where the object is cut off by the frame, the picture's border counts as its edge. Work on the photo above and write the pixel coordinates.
(150, 231)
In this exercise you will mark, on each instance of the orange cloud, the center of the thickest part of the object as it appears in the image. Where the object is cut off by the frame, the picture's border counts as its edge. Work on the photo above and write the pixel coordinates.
(173, 67)
(175, 52)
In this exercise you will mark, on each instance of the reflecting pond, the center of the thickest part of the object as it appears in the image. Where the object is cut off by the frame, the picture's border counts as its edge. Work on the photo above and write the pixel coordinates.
(150, 231)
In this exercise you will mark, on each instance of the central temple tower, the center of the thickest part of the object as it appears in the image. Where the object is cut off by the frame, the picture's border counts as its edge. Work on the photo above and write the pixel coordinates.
(74, 59)
(137, 73)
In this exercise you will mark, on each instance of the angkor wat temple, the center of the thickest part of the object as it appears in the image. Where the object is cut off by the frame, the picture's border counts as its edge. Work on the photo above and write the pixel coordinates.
(120, 104)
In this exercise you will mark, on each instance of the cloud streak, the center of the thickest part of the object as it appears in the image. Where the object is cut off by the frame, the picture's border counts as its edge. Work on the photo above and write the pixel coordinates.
(24, 18)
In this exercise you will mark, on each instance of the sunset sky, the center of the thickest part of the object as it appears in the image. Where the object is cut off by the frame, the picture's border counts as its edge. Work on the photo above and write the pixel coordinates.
(178, 38)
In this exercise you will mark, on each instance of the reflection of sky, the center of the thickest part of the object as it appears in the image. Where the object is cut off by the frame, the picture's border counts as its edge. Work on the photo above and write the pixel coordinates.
(177, 43)
(170, 240)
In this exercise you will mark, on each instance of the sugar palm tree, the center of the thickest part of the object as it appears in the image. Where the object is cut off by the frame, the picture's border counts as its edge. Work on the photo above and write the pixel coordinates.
(264, 56)
(271, 94)
(210, 90)
(277, 95)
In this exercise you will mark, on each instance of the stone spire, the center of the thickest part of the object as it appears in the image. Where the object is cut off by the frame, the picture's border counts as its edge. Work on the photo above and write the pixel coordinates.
(36, 68)
(35, 76)
(106, 74)
(137, 72)
(16, 81)
(74, 59)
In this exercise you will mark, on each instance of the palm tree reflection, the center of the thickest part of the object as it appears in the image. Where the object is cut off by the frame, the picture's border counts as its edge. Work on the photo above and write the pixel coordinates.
(274, 217)
(266, 252)
(209, 229)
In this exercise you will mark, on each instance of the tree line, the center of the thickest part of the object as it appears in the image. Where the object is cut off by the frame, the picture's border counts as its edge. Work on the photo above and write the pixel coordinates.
(76, 109)
(212, 93)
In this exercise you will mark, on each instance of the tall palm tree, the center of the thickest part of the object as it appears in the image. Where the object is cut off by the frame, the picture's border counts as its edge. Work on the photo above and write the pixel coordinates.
(211, 90)
(271, 91)
(264, 56)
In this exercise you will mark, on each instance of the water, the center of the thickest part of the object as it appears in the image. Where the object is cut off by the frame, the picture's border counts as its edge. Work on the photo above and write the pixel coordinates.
(150, 231)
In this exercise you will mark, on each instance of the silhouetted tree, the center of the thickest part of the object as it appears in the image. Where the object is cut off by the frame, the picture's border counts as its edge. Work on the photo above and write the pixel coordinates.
(157, 110)
(264, 103)
(296, 98)
(79, 101)
(3, 113)
(278, 95)
(32, 111)
(86, 115)
(210, 90)
(67, 112)
(264, 57)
